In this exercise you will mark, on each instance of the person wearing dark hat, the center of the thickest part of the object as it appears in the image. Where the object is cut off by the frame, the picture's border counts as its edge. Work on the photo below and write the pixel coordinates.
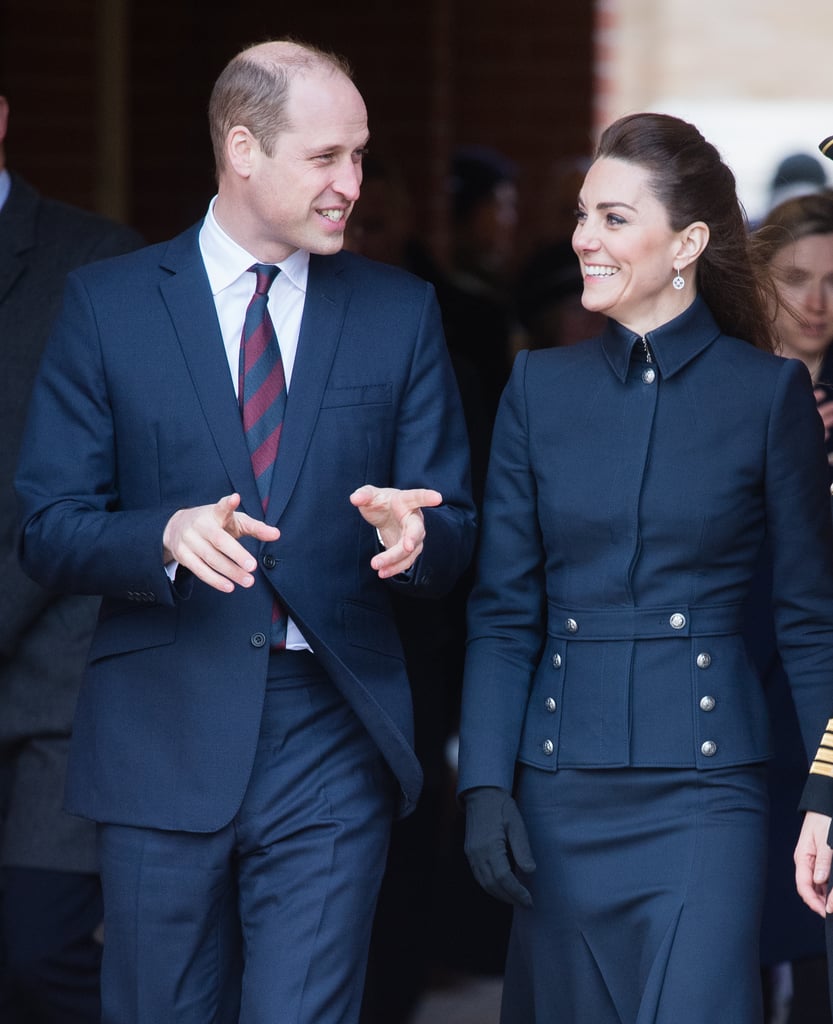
(798, 174)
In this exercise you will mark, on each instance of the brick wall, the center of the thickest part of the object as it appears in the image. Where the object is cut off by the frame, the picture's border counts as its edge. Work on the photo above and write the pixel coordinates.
(433, 72)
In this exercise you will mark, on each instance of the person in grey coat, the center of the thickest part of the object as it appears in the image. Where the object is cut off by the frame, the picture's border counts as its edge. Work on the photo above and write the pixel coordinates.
(51, 903)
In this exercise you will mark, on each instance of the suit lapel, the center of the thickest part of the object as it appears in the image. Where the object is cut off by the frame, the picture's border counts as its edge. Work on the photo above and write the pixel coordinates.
(190, 303)
(324, 310)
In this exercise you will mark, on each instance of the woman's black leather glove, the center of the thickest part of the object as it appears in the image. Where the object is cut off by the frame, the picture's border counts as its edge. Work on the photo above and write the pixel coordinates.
(496, 839)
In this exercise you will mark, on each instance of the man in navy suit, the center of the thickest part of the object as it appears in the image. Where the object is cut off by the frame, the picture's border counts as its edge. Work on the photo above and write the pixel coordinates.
(51, 901)
(244, 787)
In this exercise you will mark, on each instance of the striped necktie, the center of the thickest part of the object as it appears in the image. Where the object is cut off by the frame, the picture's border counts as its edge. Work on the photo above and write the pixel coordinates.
(261, 390)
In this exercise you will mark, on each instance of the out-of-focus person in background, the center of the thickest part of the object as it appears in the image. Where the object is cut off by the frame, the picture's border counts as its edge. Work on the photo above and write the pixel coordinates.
(794, 244)
(476, 291)
(798, 174)
(382, 226)
(50, 950)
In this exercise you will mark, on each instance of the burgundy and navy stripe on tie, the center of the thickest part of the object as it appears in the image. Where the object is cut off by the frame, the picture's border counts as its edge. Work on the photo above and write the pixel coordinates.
(261, 390)
(261, 382)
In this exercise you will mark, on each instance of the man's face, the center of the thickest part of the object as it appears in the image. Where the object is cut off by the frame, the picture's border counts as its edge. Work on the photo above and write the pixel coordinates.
(301, 196)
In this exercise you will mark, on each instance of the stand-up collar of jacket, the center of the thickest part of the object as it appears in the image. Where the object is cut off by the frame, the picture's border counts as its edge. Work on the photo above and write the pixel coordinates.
(672, 345)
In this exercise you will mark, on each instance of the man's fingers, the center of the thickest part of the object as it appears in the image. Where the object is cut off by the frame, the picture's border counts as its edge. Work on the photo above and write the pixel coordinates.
(395, 560)
(205, 540)
(422, 497)
(217, 568)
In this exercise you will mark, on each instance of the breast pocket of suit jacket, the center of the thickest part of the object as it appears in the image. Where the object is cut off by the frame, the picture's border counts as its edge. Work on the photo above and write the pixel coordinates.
(358, 430)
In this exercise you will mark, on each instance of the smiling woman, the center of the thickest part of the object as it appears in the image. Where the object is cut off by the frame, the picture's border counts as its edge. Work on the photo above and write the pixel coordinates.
(614, 733)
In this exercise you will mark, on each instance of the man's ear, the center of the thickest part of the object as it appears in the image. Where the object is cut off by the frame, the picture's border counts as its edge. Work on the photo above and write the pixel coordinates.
(693, 241)
(241, 150)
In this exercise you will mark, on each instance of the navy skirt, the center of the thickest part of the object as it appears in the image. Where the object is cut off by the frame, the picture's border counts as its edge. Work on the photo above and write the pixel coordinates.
(647, 897)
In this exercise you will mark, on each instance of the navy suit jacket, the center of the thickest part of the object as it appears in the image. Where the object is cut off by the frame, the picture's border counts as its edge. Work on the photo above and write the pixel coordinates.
(43, 636)
(625, 510)
(133, 417)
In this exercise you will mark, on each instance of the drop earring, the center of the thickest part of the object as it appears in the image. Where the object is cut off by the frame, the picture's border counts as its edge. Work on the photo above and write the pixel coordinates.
(677, 281)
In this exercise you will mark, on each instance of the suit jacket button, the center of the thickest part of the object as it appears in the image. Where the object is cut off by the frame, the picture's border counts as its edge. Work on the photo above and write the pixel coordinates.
(269, 561)
(550, 704)
(649, 376)
(548, 747)
(704, 659)
(571, 625)
(707, 704)
(708, 749)
(677, 620)
(258, 639)
(556, 660)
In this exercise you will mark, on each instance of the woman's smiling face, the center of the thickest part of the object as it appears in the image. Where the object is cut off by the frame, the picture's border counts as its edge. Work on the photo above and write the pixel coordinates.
(627, 249)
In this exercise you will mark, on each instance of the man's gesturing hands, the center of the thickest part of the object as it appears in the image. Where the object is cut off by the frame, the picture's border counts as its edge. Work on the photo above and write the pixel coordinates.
(205, 539)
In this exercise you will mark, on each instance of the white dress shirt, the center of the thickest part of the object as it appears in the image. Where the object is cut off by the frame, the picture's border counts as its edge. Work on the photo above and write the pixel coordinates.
(227, 264)
(232, 286)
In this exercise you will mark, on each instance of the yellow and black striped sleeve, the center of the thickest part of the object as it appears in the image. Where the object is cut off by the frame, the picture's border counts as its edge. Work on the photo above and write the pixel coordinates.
(818, 790)
(823, 761)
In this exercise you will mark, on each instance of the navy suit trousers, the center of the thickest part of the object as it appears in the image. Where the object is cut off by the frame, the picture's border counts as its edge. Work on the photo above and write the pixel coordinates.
(269, 918)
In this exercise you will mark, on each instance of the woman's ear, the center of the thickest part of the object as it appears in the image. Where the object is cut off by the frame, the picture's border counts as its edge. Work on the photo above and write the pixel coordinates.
(693, 241)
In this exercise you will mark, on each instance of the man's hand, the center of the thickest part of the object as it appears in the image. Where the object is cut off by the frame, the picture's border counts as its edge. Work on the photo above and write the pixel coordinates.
(205, 540)
(397, 515)
(812, 863)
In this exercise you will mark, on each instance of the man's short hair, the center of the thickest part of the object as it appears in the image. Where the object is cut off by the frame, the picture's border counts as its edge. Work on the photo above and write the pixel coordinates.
(253, 89)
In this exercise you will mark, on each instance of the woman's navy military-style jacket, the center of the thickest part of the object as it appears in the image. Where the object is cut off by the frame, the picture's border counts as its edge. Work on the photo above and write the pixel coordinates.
(631, 486)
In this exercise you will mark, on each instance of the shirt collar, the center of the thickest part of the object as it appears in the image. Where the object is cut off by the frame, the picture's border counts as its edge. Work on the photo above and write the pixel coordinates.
(672, 345)
(5, 186)
(225, 260)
